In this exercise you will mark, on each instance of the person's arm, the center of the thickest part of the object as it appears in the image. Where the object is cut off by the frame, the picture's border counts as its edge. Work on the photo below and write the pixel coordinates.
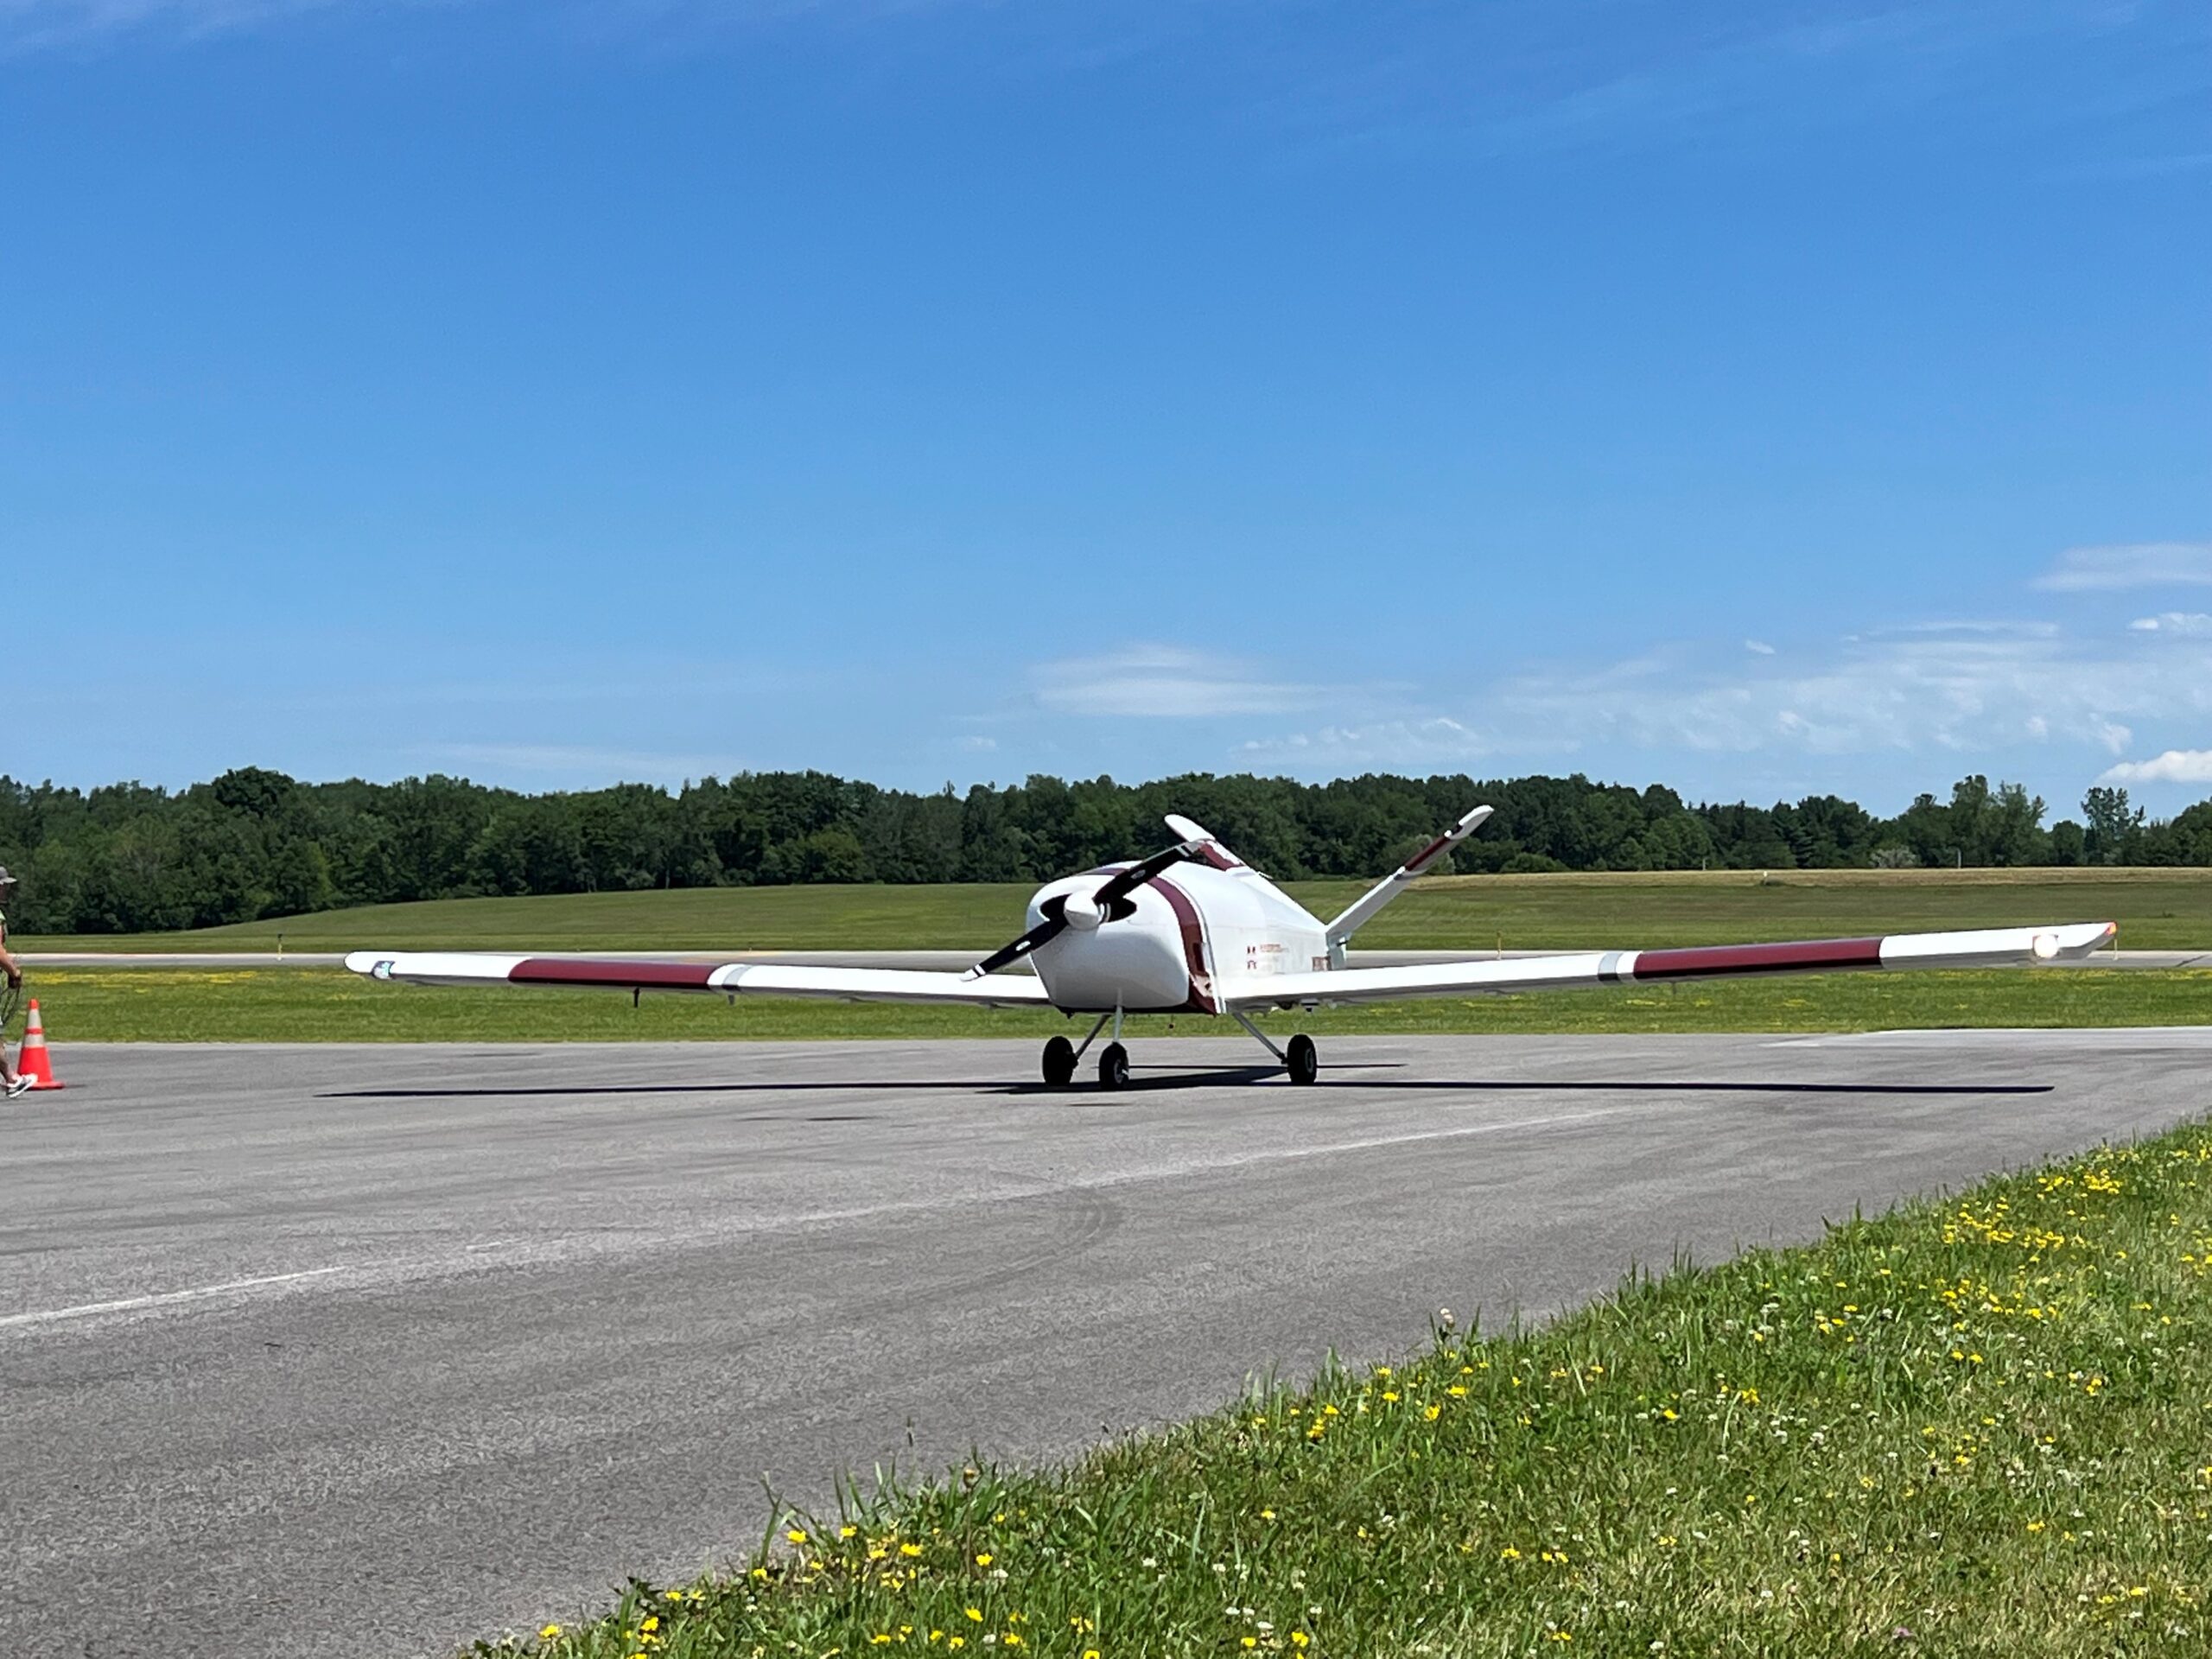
(8, 963)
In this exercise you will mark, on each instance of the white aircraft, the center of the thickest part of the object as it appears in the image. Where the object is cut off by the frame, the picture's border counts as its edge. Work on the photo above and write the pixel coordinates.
(1219, 938)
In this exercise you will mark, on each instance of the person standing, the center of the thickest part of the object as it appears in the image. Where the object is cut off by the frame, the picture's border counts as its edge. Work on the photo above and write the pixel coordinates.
(11, 1084)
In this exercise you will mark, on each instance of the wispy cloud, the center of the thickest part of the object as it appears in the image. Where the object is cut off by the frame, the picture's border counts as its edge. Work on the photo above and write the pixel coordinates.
(1497, 75)
(1759, 647)
(2134, 564)
(1168, 682)
(31, 25)
(2190, 623)
(634, 766)
(2174, 767)
(1958, 689)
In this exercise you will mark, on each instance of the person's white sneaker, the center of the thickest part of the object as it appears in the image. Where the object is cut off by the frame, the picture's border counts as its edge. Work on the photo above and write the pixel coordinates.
(20, 1086)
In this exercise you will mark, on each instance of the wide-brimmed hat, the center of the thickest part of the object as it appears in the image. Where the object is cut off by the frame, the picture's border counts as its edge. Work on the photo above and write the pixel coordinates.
(6, 879)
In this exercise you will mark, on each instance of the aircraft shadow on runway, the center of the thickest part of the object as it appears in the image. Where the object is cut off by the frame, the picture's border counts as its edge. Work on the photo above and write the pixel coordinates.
(1200, 1077)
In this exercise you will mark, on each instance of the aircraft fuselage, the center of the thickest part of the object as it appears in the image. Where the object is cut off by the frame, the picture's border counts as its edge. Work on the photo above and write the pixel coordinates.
(1193, 932)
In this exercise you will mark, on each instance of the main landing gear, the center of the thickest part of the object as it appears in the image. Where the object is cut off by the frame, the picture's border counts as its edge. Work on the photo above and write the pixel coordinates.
(1300, 1059)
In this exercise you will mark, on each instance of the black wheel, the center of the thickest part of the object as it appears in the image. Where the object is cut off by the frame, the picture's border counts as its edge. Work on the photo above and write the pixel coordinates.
(1305, 1059)
(1114, 1067)
(1059, 1061)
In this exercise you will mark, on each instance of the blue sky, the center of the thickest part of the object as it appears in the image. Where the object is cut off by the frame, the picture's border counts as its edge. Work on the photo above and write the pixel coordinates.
(1761, 398)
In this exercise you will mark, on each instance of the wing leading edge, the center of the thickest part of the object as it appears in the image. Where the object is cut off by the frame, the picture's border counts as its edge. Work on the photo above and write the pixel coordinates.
(1999, 947)
(726, 978)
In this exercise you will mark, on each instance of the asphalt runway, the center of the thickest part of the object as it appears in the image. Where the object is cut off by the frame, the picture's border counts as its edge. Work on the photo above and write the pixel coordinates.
(371, 1350)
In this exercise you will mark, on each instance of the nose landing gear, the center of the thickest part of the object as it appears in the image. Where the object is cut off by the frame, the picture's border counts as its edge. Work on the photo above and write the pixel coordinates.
(1061, 1058)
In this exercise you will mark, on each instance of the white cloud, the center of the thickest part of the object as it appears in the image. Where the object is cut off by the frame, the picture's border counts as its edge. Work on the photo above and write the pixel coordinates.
(1962, 689)
(2174, 767)
(2182, 622)
(1407, 745)
(975, 744)
(30, 25)
(1759, 647)
(1167, 682)
(602, 765)
(2136, 564)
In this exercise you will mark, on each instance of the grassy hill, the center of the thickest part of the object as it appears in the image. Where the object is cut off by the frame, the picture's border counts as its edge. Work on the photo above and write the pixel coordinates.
(2156, 909)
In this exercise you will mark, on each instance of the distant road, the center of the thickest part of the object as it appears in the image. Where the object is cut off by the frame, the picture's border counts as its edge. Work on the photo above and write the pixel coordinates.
(918, 959)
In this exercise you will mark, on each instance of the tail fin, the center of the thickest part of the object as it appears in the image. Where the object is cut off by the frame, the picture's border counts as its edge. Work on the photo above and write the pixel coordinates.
(1364, 909)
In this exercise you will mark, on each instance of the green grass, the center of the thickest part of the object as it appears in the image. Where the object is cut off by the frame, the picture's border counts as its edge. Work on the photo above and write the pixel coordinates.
(2156, 909)
(1981, 1426)
(329, 1005)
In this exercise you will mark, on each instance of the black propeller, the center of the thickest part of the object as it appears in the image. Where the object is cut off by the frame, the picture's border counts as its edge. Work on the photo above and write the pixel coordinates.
(1108, 901)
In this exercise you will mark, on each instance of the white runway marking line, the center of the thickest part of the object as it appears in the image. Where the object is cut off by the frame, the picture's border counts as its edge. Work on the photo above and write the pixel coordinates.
(165, 1298)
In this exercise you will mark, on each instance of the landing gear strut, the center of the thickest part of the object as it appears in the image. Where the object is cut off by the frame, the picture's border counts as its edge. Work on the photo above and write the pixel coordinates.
(1302, 1059)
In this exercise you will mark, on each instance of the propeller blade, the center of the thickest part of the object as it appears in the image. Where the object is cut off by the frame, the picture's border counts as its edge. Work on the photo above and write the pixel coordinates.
(1111, 892)
(1051, 927)
(1122, 883)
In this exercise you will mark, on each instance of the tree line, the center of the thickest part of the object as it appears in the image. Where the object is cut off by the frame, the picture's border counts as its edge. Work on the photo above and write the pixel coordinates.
(255, 843)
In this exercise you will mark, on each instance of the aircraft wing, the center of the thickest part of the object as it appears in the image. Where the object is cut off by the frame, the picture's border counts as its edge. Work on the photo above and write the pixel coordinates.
(1997, 947)
(725, 978)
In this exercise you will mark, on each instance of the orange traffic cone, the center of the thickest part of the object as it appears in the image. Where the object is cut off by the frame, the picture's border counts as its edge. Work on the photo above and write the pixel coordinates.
(31, 1059)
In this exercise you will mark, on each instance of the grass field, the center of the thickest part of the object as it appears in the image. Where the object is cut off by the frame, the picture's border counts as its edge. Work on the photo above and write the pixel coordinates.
(2156, 909)
(328, 1005)
(1981, 1427)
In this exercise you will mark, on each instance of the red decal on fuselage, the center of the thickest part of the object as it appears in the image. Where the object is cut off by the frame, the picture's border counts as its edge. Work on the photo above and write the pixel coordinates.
(1194, 947)
(1810, 957)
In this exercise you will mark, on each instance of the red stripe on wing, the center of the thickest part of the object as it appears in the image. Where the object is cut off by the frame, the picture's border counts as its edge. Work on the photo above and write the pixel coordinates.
(1809, 956)
(619, 975)
(1428, 852)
